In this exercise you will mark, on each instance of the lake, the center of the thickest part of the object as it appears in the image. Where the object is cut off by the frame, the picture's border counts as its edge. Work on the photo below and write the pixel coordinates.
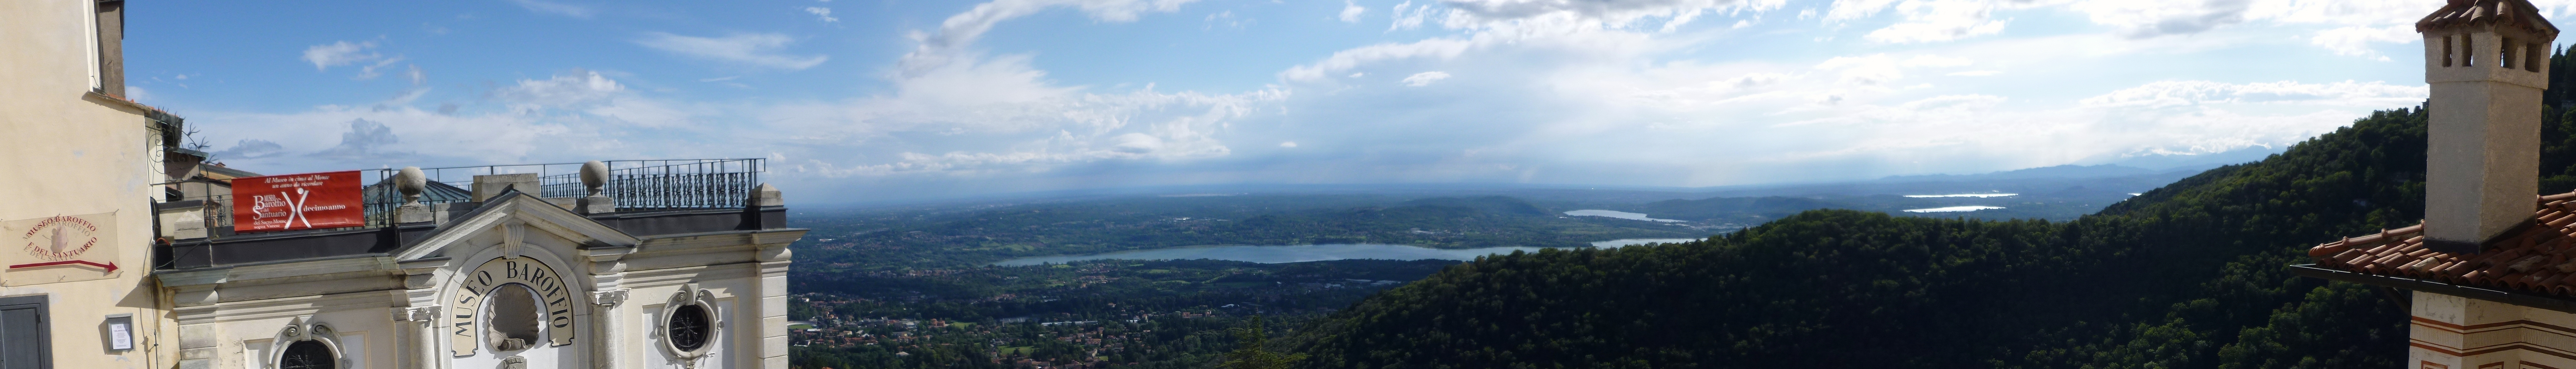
(1616, 214)
(1953, 209)
(1300, 253)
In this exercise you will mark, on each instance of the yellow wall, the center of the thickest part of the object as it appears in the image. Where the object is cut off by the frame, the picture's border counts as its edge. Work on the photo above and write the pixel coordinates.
(66, 152)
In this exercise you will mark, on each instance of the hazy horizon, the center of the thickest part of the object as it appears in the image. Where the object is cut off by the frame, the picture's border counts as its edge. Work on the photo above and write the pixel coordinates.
(868, 101)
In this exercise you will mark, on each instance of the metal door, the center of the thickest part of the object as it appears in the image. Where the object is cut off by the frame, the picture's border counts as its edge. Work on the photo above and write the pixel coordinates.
(24, 341)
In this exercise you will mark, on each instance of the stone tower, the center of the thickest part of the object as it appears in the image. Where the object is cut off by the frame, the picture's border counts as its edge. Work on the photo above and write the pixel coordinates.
(2487, 61)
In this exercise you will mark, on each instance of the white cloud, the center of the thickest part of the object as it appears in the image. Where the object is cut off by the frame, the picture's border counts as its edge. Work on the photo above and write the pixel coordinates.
(749, 49)
(2355, 24)
(412, 72)
(1351, 12)
(1851, 10)
(1441, 48)
(542, 6)
(1003, 116)
(333, 137)
(341, 53)
(1606, 13)
(1941, 20)
(1881, 69)
(2156, 18)
(1425, 78)
(1406, 16)
(588, 93)
(2355, 40)
(937, 49)
(370, 71)
(1976, 73)
(2183, 93)
(565, 118)
(1288, 144)
(1226, 18)
(825, 13)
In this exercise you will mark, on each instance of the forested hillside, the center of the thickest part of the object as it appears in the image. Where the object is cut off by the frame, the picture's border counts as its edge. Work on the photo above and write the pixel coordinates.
(2189, 275)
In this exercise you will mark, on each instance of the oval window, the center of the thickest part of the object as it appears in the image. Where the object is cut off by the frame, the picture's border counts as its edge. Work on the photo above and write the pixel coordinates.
(689, 327)
(307, 354)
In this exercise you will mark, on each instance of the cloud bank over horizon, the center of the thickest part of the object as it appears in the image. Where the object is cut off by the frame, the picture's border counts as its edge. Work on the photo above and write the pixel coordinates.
(858, 102)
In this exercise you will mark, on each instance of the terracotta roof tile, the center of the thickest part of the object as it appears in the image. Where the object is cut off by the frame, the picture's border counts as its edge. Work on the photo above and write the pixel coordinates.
(2513, 13)
(2537, 259)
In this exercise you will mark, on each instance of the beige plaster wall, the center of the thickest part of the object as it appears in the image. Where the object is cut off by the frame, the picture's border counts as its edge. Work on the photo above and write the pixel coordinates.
(2456, 332)
(65, 152)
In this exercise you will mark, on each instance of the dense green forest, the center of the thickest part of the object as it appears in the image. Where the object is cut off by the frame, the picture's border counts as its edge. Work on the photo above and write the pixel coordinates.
(2186, 276)
(883, 242)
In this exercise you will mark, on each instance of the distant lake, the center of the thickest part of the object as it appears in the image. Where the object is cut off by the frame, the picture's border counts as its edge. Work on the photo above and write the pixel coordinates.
(1953, 209)
(1303, 253)
(1978, 195)
(1615, 214)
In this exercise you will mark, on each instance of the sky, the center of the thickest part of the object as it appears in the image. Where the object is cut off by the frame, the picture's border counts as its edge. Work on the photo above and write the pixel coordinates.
(860, 100)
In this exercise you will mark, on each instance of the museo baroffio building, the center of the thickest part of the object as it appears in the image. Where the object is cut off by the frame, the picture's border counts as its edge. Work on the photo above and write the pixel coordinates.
(120, 249)
(630, 264)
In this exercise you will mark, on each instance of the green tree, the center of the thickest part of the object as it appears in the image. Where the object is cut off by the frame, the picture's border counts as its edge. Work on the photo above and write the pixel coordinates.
(1249, 354)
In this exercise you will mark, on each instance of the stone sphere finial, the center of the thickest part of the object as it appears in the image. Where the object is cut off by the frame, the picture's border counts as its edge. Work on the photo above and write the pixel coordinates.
(411, 183)
(594, 175)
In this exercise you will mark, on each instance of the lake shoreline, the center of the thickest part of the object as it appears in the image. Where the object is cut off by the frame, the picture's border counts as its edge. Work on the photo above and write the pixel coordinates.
(1274, 254)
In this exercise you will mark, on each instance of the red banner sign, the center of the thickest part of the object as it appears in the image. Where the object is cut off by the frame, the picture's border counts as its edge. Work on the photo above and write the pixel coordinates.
(298, 201)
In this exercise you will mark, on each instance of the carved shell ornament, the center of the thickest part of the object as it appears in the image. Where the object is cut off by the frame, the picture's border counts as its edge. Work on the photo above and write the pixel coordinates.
(306, 344)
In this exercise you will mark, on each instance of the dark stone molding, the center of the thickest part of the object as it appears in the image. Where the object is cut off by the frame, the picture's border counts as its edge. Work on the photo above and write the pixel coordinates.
(289, 246)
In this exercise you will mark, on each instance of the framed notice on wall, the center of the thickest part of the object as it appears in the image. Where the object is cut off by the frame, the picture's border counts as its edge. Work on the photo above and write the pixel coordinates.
(298, 201)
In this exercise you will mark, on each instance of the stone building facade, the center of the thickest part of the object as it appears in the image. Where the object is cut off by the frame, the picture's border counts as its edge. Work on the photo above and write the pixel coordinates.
(509, 279)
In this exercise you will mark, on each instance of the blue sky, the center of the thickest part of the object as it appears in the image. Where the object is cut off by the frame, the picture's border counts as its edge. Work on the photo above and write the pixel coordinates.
(857, 100)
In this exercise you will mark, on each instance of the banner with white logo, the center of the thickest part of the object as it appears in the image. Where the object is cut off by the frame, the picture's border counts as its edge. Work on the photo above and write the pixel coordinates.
(298, 201)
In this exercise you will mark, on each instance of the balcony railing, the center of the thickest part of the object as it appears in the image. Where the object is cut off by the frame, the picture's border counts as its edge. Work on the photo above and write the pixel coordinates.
(637, 185)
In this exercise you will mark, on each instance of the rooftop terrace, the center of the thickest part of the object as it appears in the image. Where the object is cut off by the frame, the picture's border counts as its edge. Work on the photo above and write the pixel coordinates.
(638, 197)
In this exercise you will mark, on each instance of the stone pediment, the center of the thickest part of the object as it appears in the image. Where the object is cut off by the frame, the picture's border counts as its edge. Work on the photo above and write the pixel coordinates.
(509, 214)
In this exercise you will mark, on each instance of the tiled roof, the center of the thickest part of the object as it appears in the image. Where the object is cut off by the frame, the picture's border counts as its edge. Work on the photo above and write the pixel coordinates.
(2514, 13)
(2539, 258)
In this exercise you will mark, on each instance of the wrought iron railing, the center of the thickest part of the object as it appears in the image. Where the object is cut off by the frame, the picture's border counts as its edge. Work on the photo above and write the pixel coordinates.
(637, 185)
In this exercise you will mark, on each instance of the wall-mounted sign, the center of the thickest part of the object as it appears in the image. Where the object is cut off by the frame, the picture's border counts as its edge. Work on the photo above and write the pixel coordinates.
(59, 249)
(298, 201)
(120, 332)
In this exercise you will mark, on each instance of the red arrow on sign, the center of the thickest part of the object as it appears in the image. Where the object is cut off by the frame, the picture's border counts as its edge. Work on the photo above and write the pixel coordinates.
(111, 267)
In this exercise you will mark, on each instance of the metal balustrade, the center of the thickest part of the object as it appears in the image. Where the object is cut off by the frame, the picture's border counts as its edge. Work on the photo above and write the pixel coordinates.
(636, 185)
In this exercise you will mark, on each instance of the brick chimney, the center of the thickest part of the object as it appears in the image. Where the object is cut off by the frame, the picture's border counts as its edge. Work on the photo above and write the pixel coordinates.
(2487, 61)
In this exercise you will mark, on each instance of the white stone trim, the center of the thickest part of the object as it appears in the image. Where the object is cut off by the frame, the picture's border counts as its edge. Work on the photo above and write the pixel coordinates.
(306, 328)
